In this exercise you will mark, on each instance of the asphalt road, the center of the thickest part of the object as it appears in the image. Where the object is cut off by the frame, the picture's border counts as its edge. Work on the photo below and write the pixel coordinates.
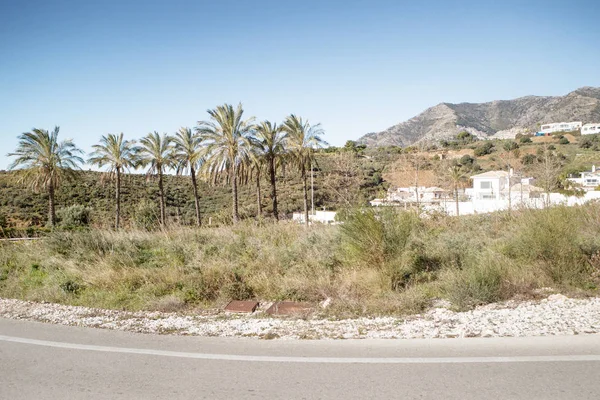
(40, 361)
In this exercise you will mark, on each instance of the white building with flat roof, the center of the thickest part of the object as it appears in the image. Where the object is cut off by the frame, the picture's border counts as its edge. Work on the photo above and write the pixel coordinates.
(590, 129)
(588, 180)
(489, 185)
(561, 127)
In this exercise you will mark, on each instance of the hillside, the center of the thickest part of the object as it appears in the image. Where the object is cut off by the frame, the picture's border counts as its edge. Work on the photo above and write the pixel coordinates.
(496, 119)
(340, 178)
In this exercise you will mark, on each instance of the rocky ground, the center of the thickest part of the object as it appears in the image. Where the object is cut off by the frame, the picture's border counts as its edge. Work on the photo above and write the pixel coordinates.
(556, 315)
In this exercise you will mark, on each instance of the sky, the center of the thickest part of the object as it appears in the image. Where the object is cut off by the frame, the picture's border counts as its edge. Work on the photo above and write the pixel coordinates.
(99, 67)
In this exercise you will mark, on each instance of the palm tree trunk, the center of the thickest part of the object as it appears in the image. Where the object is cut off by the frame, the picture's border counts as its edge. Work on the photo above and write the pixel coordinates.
(51, 208)
(161, 190)
(118, 199)
(234, 191)
(456, 199)
(258, 195)
(196, 199)
(273, 189)
(305, 195)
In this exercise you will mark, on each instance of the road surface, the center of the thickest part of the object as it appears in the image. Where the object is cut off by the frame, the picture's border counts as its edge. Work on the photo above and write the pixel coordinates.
(42, 361)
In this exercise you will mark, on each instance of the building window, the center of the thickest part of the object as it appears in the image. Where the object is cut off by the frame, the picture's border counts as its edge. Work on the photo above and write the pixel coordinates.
(485, 185)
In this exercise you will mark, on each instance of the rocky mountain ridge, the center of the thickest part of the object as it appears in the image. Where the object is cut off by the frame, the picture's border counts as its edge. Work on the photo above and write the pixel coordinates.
(495, 119)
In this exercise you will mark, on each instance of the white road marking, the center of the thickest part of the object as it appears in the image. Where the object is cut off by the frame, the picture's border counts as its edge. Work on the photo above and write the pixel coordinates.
(312, 360)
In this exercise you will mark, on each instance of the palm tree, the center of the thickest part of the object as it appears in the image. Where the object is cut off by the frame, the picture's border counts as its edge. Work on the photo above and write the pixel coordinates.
(270, 142)
(456, 176)
(157, 151)
(302, 139)
(45, 162)
(119, 155)
(188, 157)
(228, 145)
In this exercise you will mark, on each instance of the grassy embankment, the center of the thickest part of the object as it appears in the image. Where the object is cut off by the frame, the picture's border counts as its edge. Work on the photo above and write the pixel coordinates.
(390, 264)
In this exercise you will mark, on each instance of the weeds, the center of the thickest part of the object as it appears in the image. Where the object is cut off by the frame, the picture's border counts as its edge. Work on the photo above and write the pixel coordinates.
(376, 263)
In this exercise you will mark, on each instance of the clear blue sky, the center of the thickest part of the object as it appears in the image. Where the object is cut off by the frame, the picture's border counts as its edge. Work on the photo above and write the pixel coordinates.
(97, 67)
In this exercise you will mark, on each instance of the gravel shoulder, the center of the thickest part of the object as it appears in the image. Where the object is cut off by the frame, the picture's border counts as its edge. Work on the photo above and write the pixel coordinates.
(555, 315)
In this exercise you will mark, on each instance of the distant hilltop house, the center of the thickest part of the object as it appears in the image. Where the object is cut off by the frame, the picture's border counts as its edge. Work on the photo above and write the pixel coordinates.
(587, 180)
(590, 129)
(547, 129)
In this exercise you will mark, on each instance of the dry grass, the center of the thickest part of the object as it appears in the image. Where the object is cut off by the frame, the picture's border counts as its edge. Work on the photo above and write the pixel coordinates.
(374, 264)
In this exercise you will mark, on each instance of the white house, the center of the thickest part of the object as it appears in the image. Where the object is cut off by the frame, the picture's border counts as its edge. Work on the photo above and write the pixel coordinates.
(411, 194)
(590, 129)
(561, 127)
(588, 180)
(323, 217)
(489, 185)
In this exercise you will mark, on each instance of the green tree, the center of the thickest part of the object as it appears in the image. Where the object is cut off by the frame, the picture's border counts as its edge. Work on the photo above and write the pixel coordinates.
(119, 155)
(270, 142)
(44, 163)
(156, 152)
(228, 146)
(302, 138)
(188, 157)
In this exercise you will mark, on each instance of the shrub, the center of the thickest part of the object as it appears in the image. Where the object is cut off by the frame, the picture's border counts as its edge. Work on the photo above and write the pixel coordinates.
(146, 216)
(550, 239)
(465, 137)
(586, 143)
(74, 216)
(525, 139)
(528, 159)
(564, 140)
(467, 160)
(3, 221)
(374, 239)
(510, 145)
(484, 149)
(479, 283)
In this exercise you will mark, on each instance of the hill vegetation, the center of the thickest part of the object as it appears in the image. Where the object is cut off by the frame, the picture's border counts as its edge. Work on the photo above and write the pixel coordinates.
(341, 178)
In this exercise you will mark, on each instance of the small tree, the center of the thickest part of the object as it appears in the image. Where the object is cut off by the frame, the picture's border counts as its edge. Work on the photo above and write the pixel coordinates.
(547, 169)
(414, 162)
(343, 179)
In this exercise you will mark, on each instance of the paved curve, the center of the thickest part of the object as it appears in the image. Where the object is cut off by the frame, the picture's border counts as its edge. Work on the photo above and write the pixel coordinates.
(40, 361)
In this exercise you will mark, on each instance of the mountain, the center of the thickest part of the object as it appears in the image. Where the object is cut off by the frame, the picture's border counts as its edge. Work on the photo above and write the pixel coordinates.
(495, 119)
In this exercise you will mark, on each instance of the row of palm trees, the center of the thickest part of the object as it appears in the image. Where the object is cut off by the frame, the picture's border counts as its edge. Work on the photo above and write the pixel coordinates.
(224, 148)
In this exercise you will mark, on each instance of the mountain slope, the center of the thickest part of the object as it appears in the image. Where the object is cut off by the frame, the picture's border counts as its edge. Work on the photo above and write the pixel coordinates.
(500, 118)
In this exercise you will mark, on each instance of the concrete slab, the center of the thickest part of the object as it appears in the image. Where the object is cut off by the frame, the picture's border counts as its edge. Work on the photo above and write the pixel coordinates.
(288, 308)
(237, 306)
